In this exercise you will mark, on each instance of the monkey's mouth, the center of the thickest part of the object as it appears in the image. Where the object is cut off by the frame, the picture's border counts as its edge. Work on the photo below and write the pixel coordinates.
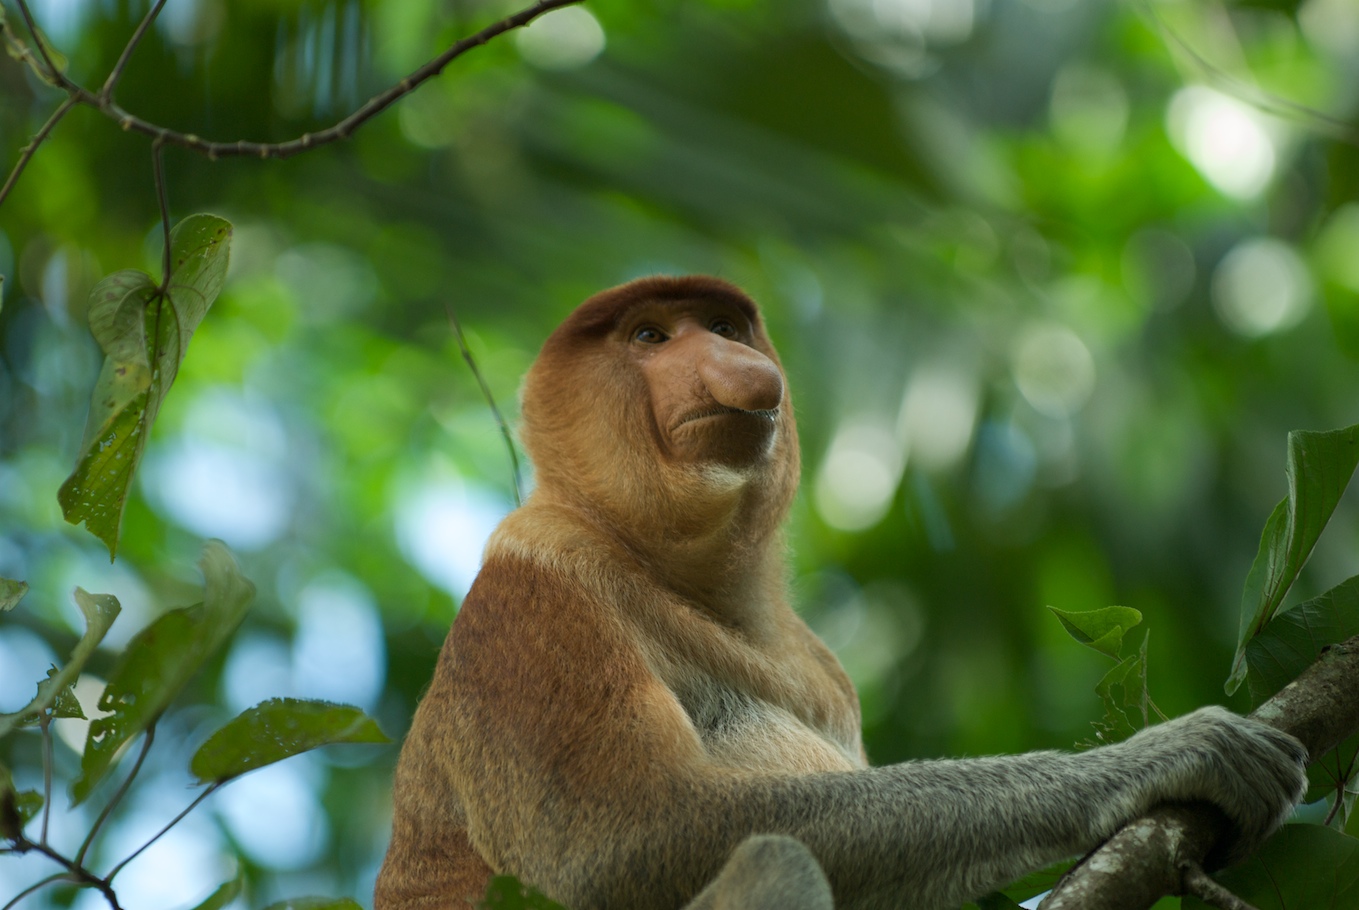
(770, 415)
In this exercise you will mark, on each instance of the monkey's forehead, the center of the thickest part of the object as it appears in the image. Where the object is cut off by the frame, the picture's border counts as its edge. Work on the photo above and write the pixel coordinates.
(603, 312)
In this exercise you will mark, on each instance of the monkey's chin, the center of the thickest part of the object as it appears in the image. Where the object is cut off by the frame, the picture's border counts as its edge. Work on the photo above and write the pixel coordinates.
(733, 439)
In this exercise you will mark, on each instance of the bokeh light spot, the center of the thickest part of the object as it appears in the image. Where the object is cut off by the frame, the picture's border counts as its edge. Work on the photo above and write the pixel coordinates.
(1260, 287)
(565, 39)
(1226, 141)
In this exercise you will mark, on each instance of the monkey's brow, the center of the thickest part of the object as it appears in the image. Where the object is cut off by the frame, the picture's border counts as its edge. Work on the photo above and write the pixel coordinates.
(738, 304)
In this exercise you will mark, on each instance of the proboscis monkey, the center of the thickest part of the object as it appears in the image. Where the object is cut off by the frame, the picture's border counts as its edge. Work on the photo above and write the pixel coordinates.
(627, 714)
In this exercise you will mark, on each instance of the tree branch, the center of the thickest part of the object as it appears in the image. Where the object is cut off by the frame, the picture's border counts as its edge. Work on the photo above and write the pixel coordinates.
(343, 129)
(1149, 858)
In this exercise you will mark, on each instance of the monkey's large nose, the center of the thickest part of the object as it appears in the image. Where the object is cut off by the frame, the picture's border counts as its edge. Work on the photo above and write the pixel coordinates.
(740, 377)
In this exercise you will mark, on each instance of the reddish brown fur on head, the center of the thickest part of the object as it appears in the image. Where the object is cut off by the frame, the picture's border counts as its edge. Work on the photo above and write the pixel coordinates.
(685, 433)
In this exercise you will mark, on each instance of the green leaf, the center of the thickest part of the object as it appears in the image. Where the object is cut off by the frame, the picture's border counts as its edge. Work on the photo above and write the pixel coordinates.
(11, 592)
(1293, 640)
(1328, 773)
(100, 610)
(11, 824)
(65, 703)
(1037, 882)
(506, 893)
(1302, 866)
(1320, 466)
(144, 334)
(159, 662)
(277, 729)
(1102, 630)
(1123, 692)
(315, 903)
(222, 896)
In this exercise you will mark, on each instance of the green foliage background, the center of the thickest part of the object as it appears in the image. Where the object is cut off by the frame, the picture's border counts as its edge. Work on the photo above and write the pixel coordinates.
(1002, 211)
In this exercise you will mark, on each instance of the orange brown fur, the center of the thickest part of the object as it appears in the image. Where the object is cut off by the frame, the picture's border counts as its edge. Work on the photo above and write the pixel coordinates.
(627, 709)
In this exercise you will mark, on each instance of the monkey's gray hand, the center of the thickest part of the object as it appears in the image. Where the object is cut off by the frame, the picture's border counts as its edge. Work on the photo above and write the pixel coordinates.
(1254, 773)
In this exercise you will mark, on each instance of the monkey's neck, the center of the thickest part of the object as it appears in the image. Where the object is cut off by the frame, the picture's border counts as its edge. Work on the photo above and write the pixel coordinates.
(709, 553)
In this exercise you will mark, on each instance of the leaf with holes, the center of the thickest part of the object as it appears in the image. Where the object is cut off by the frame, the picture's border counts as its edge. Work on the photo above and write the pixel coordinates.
(1102, 629)
(159, 662)
(100, 610)
(144, 333)
(11, 592)
(277, 729)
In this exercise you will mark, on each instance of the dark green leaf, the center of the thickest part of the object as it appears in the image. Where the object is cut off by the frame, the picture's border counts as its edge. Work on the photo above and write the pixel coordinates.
(100, 610)
(1035, 883)
(159, 662)
(1333, 771)
(11, 823)
(11, 592)
(996, 901)
(1294, 638)
(1102, 629)
(29, 803)
(315, 903)
(506, 893)
(1301, 867)
(276, 729)
(222, 896)
(144, 334)
(1320, 466)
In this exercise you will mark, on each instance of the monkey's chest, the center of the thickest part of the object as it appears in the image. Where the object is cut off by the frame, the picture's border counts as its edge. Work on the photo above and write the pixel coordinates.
(743, 732)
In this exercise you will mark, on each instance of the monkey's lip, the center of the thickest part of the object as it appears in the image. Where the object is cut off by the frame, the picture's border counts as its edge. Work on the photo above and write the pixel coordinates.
(769, 415)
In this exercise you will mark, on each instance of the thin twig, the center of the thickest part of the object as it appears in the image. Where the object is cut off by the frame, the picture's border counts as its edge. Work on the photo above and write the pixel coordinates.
(212, 788)
(45, 723)
(147, 740)
(1261, 99)
(490, 400)
(158, 169)
(343, 129)
(55, 73)
(27, 153)
(42, 883)
(75, 873)
(1198, 883)
(117, 72)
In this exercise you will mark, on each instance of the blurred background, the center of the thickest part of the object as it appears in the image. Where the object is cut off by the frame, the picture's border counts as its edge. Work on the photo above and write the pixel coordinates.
(1052, 279)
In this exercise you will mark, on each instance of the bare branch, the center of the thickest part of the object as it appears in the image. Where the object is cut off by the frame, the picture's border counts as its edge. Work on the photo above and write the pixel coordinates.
(27, 154)
(116, 73)
(158, 168)
(54, 73)
(1149, 857)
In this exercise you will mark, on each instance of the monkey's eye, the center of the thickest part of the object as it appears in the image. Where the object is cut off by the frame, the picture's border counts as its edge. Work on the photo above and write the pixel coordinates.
(648, 335)
(723, 327)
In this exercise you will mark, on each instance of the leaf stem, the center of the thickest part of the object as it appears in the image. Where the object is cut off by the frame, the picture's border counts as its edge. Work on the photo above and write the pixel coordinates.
(117, 796)
(212, 788)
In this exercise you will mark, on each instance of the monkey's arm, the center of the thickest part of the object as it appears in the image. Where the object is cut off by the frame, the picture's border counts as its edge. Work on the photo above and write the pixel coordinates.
(581, 773)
